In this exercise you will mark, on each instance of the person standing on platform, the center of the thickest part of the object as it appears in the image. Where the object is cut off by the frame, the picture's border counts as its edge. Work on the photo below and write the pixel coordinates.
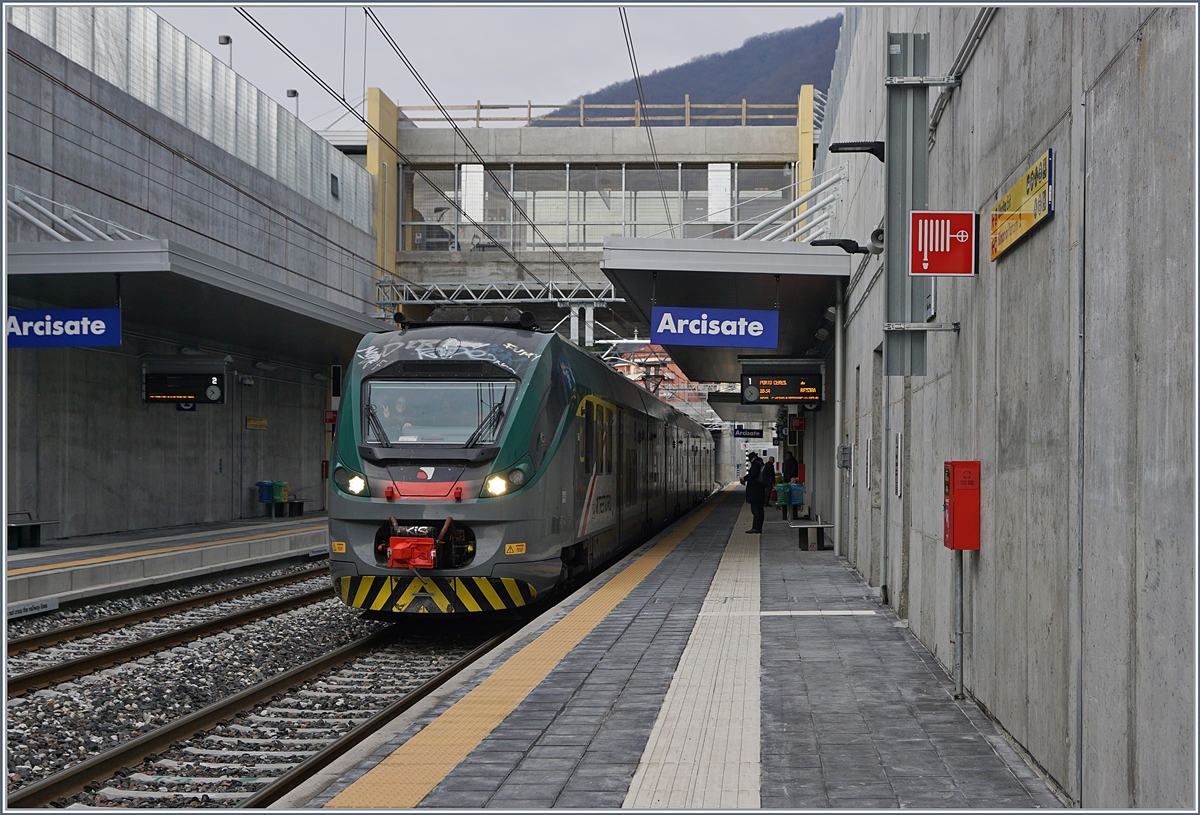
(791, 467)
(756, 492)
(768, 475)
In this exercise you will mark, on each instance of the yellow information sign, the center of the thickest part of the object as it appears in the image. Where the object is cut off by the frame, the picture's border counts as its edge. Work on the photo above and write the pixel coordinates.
(1026, 204)
(256, 422)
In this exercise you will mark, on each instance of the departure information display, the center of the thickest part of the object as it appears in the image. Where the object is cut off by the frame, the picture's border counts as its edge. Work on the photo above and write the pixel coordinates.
(780, 388)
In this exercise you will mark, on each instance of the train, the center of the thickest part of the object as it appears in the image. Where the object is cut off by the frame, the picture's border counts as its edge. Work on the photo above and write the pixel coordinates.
(481, 468)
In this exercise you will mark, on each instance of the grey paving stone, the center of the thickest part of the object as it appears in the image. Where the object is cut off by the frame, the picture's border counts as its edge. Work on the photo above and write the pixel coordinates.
(858, 789)
(933, 800)
(923, 784)
(864, 804)
(556, 751)
(589, 799)
(471, 782)
(460, 799)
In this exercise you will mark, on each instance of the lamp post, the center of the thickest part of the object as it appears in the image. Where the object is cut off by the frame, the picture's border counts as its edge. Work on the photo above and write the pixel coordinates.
(295, 94)
(225, 39)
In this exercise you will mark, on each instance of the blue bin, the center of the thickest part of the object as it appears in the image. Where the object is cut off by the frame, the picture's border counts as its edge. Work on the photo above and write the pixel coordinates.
(797, 495)
(264, 491)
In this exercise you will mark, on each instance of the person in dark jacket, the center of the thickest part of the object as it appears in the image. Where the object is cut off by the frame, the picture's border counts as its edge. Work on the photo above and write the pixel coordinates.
(756, 492)
(791, 467)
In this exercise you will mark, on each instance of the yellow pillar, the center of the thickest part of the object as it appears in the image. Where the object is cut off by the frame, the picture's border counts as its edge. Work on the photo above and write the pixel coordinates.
(806, 154)
(383, 114)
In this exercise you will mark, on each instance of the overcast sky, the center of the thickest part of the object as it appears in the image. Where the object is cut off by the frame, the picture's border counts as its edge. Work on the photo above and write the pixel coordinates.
(498, 54)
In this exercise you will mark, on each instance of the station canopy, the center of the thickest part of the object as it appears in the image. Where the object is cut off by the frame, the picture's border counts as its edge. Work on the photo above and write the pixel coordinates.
(180, 292)
(798, 279)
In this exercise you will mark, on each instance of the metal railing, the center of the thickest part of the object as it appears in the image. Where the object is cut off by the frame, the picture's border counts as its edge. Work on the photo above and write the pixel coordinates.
(73, 225)
(584, 114)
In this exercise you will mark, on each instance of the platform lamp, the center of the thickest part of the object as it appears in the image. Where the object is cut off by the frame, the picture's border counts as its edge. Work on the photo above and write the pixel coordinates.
(292, 93)
(225, 39)
(875, 148)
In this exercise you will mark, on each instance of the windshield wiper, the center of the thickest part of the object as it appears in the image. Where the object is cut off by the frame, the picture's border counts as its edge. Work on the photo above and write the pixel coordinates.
(377, 426)
(491, 420)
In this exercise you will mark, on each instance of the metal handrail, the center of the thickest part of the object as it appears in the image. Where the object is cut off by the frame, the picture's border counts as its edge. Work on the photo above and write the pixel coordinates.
(480, 113)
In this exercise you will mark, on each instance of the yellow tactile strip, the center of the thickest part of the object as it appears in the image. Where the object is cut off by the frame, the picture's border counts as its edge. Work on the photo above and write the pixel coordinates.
(704, 749)
(406, 776)
(162, 551)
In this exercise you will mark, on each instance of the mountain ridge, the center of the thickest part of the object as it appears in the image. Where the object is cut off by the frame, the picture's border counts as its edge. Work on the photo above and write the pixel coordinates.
(766, 69)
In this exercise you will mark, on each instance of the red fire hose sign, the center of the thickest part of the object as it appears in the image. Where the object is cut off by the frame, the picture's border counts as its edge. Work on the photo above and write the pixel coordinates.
(942, 243)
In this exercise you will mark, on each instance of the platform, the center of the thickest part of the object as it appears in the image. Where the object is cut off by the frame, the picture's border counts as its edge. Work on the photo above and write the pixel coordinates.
(710, 669)
(70, 569)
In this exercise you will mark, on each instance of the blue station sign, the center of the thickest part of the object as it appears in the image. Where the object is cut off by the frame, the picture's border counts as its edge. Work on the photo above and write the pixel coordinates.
(714, 327)
(58, 328)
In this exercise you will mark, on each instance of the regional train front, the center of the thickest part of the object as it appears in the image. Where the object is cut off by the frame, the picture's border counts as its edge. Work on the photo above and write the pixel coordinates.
(436, 501)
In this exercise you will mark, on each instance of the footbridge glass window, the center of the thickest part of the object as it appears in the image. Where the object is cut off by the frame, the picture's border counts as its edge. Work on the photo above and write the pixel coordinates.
(574, 207)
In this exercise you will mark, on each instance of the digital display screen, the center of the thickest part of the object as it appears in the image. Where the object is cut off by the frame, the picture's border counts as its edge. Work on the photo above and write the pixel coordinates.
(181, 387)
(780, 388)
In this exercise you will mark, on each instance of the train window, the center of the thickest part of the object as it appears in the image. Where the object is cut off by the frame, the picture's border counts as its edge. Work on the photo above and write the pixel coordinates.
(456, 413)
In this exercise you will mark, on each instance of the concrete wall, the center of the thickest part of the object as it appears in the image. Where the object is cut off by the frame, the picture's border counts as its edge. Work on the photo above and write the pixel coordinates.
(78, 140)
(1071, 380)
(82, 446)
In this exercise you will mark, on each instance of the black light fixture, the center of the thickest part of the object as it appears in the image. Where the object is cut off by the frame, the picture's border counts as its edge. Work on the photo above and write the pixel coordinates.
(875, 148)
(292, 93)
(400, 320)
(847, 245)
(225, 39)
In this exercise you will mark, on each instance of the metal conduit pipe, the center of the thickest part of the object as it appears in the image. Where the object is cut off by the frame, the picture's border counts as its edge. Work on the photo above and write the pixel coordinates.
(821, 219)
(56, 219)
(958, 66)
(784, 210)
(37, 223)
(839, 375)
(808, 213)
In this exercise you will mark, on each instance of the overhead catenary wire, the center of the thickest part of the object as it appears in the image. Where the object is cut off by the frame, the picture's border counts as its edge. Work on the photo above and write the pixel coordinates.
(491, 173)
(315, 77)
(637, 81)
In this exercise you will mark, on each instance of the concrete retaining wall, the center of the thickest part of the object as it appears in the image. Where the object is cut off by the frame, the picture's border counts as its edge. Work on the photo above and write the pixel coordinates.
(83, 448)
(1071, 381)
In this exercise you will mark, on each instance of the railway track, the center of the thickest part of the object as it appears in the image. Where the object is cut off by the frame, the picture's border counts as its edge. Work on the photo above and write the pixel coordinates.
(51, 663)
(64, 634)
(255, 746)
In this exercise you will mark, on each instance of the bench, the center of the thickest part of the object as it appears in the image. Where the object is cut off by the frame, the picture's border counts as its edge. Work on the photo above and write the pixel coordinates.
(805, 538)
(291, 508)
(24, 530)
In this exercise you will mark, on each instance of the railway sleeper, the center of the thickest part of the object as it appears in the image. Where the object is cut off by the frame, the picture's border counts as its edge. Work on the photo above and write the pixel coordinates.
(287, 743)
(235, 756)
(144, 778)
(115, 794)
(213, 765)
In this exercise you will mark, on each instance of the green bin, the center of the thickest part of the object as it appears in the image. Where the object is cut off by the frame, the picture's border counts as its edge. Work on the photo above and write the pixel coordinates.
(279, 492)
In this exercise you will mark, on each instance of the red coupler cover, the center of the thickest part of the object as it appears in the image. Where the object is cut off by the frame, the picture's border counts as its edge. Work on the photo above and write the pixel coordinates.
(412, 553)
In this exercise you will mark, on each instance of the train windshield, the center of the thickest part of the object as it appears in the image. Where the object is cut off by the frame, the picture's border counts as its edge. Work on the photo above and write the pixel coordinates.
(465, 414)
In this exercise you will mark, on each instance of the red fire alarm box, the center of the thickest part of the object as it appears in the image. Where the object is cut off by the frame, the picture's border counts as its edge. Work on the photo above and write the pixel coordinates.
(960, 510)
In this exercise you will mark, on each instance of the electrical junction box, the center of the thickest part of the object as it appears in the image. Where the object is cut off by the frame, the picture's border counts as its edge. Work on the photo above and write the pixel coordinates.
(960, 507)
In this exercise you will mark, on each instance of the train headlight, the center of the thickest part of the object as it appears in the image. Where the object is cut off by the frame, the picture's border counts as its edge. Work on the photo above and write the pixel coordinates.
(516, 477)
(349, 482)
(496, 485)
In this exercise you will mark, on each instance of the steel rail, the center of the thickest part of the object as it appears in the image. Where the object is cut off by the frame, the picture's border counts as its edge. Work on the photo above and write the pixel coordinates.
(67, 670)
(314, 764)
(60, 635)
(74, 779)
